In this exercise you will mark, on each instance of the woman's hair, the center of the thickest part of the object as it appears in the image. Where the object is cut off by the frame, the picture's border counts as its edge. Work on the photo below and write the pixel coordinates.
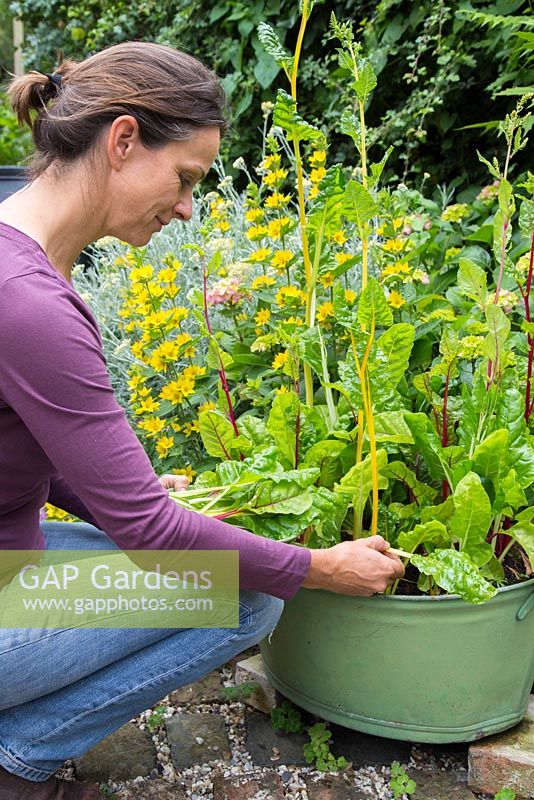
(169, 93)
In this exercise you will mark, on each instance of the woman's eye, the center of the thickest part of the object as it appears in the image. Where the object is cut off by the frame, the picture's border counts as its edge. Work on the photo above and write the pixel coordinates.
(184, 181)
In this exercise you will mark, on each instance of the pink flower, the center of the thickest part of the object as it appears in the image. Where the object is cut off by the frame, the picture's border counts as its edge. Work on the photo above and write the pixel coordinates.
(227, 290)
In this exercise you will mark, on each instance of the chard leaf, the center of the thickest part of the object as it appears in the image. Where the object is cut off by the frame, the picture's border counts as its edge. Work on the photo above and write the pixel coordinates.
(493, 570)
(523, 533)
(255, 430)
(358, 481)
(398, 471)
(393, 353)
(286, 117)
(325, 456)
(218, 436)
(472, 281)
(283, 493)
(456, 573)
(469, 525)
(510, 415)
(527, 515)
(499, 329)
(442, 512)
(477, 403)
(325, 212)
(282, 425)
(433, 532)
(311, 350)
(428, 444)
(491, 456)
(217, 358)
(366, 80)
(526, 217)
(345, 315)
(272, 45)
(349, 124)
(359, 205)
(509, 495)
(325, 516)
(390, 426)
(373, 306)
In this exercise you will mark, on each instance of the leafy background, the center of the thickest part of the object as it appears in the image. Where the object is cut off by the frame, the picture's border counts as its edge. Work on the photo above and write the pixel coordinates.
(439, 68)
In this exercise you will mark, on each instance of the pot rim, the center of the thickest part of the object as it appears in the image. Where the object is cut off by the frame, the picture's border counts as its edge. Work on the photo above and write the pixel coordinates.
(418, 598)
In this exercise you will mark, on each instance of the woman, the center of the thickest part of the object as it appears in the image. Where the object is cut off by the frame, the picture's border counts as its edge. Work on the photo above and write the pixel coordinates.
(120, 141)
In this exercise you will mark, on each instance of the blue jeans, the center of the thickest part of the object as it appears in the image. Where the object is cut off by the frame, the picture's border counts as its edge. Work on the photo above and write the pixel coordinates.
(64, 690)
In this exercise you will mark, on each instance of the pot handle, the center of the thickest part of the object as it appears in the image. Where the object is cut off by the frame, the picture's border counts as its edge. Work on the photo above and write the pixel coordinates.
(526, 608)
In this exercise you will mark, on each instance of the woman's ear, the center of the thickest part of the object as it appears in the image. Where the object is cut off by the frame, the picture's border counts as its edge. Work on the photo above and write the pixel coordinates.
(123, 137)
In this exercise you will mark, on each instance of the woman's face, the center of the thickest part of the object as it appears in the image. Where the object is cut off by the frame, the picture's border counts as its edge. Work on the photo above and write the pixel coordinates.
(148, 188)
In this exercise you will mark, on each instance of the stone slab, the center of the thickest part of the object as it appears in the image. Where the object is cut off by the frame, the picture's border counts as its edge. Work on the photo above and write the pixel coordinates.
(251, 670)
(124, 755)
(268, 747)
(256, 786)
(506, 759)
(333, 787)
(439, 785)
(152, 790)
(206, 690)
(197, 739)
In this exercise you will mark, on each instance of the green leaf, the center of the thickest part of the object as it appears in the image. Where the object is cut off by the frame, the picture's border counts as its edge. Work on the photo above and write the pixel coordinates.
(286, 117)
(390, 426)
(325, 516)
(523, 533)
(470, 523)
(358, 482)
(255, 430)
(349, 124)
(218, 436)
(492, 168)
(326, 209)
(345, 315)
(510, 415)
(217, 356)
(274, 48)
(373, 306)
(499, 330)
(282, 425)
(284, 493)
(377, 168)
(491, 456)
(433, 532)
(311, 350)
(359, 206)
(442, 512)
(398, 471)
(325, 456)
(526, 218)
(472, 281)
(509, 495)
(427, 443)
(366, 81)
(393, 354)
(456, 573)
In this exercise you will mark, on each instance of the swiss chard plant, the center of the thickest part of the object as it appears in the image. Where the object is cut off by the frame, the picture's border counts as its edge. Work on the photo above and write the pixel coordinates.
(389, 384)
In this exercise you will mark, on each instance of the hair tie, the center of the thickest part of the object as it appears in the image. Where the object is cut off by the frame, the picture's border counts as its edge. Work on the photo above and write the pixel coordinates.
(55, 78)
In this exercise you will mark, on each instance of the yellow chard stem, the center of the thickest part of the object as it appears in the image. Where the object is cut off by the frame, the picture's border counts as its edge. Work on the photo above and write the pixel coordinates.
(308, 376)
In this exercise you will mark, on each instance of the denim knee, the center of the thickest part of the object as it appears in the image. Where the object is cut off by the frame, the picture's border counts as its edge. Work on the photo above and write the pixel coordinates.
(260, 614)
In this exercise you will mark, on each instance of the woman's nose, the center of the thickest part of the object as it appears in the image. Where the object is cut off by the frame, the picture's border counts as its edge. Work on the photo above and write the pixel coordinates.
(184, 209)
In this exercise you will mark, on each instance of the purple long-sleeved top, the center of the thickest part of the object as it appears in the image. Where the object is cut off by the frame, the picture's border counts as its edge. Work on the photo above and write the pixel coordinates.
(65, 439)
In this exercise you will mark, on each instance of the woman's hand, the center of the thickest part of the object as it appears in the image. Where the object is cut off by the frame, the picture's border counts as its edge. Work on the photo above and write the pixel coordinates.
(362, 567)
(175, 482)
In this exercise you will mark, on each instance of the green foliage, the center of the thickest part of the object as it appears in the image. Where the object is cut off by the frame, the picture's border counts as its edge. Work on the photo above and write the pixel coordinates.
(156, 719)
(318, 750)
(400, 783)
(441, 67)
(287, 718)
(241, 691)
(15, 144)
(505, 794)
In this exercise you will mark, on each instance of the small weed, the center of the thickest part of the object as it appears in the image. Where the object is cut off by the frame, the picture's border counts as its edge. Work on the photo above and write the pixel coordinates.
(239, 692)
(400, 783)
(105, 790)
(157, 718)
(287, 718)
(318, 750)
(505, 794)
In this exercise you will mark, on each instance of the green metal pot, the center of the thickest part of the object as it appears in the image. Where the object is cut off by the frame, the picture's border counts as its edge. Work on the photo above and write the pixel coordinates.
(423, 669)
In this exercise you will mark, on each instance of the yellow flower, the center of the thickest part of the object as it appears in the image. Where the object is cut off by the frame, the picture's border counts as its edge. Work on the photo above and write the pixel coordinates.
(276, 200)
(224, 225)
(137, 349)
(342, 258)
(398, 222)
(274, 177)
(144, 273)
(256, 232)
(350, 296)
(262, 317)
(177, 391)
(290, 295)
(317, 158)
(171, 290)
(271, 161)
(396, 300)
(312, 194)
(281, 259)
(136, 381)
(191, 427)
(179, 314)
(189, 352)
(339, 237)
(325, 311)
(277, 227)
(316, 175)
(259, 255)
(188, 471)
(280, 360)
(167, 275)
(207, 406)
(295, 321)
(253, 214)
(148, 406)
(262, 281)
(393, 245)
(194, 371)
(152, 426)
(164, 445)
(327, 280)
(282, 390)
(182, 338)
